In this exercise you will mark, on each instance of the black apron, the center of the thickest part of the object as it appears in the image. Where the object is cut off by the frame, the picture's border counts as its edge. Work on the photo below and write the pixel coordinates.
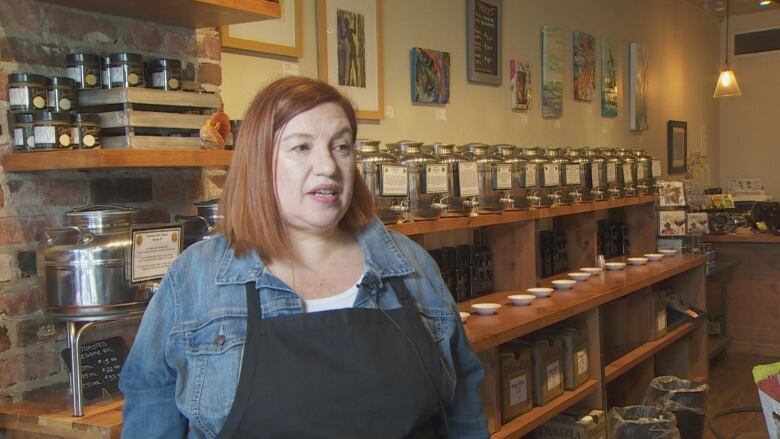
(346, 373)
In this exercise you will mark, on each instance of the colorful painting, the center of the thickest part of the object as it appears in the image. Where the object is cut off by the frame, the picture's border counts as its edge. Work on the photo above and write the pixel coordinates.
(609, 76)
(351, 48)
(584, 66)
(671, 222)
(430, 76)
(520, 74)
(552, 72)
(637, 107)
(698, 223)
(671, 193)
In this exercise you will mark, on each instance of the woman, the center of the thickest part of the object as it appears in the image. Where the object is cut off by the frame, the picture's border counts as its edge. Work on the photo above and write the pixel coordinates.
(306, 318)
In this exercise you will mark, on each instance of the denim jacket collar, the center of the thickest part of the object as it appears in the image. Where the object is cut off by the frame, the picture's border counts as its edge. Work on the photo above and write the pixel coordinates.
(383, 260)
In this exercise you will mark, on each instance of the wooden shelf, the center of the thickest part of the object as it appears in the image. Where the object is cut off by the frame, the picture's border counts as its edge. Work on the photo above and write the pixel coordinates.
(527, 422)
(185, 13)
(755, 238)
(457, 223)
(640, 354)
(512, 322)
(114, 158)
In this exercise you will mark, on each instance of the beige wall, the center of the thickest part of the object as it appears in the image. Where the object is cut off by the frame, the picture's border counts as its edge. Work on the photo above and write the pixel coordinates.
(749, 129)
(682, 56)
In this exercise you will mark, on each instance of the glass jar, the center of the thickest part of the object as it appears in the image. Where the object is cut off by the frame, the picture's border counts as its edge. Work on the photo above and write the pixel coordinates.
(62, 94)
(577, 174)
(26, 92)
(386, 180)
(463, 180)
(551, 176)
(428, 187)
(533, 176)
(85, 130)
(127, 70)
(487, 164)
(166, 74)
(105, 72)
(598, 177)
(611, 164)
(506, 176)
(84, 69)
(24, 133)
(51, 131)
(629, 171)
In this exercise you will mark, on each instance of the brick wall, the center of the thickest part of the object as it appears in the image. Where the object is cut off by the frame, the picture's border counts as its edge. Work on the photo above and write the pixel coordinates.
(35, 37)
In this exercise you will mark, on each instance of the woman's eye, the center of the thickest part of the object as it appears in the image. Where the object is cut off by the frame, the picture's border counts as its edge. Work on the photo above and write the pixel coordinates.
(300, 148)
(343, 147)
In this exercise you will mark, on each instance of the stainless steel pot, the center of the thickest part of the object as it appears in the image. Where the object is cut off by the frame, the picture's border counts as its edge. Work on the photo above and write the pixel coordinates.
(577, 174)
(508, 169)
(201, 226)
(463, 180)
(598, 177)
(531, 176)
(627, 172)
(487, 166)
(428, 186)
(386, 180)
(611, 165)
(550, 177)
(643, 166)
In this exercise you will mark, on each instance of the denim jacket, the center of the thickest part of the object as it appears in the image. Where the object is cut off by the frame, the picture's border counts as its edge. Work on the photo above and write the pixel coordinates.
(180, 377)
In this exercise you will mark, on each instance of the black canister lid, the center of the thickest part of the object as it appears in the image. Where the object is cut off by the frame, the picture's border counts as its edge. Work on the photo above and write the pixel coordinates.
(166, 64)
(27, 77)
(49, 116)
(126, 57)
(105, 61)
(23, 117)
(62, 81)
(84, 117)
(82, 58)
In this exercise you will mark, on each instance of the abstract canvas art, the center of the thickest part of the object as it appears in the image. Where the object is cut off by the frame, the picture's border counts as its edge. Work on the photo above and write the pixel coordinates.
(609, 76)
(552, 72)
(637, 106)
(520, 74)
(430, 77)
(584, 66)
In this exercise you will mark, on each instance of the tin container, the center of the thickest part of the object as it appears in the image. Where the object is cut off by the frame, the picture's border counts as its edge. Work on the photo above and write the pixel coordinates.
(85, 130)
(428, 186)
(550, 177)
(582, 159)
(523, 186)
(51, 131)
(547, 358)
(655, 175)
(24, 132)
(487, 168)
(165, 74)
(386, 180)
(643, 169)
(598, 176)
(532, 175)
(84, 70)
(516, 371)
(26, 92)
(611, 165)
(61, 94)
(573, 174)
(463, 180)
(127, 70)
(628, 172)
(509, 168)
(576, 364)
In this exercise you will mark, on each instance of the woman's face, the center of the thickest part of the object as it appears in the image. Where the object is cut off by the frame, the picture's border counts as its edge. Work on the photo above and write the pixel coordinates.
(315, 169)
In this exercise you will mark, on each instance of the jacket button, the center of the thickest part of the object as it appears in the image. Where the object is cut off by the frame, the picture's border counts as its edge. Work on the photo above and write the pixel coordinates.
(219, 340)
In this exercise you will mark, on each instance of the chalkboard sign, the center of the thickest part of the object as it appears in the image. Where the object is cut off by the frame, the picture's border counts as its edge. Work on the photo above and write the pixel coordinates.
(101, 363)
(484, 41)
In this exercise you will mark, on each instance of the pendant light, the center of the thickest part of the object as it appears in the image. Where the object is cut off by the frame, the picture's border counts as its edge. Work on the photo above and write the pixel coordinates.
(727, 82)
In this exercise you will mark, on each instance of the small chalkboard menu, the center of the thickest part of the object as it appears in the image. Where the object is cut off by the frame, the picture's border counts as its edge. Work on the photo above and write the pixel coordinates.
(484, 41)
(101, 363)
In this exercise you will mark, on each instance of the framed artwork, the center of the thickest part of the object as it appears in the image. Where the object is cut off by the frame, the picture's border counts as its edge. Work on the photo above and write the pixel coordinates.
(584, 66)
(677, 143)
(671, 223)
(609, 78)
(282, 36)
(483, 21)
(552, 72)
(698, 223)
(671, 194)
(430, 77)
(349, 43)
(520, 77)
(637, 106)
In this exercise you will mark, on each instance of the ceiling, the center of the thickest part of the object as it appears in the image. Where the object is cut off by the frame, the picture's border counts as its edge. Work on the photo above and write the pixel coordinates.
(737, 7)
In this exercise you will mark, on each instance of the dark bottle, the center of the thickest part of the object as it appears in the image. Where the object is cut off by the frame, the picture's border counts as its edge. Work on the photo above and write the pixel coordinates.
(449, 271)
(603, 237)
(625, 238)
(488, 269)
(546, 251)
(467, 272)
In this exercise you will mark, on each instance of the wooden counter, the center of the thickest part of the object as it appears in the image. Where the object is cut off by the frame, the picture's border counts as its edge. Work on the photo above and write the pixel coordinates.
(755, 238)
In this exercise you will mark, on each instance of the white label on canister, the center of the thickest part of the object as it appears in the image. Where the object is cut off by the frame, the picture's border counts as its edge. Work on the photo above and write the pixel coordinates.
(45, 135)
(158, 79)
(572, 174)
(394, 181)
(503, 177)
(18, 137)
(435, 179)
(628, 177)
(74, 73)
(117, 74)
(468, 181)
(553, 375)
(611, 172)
(595, 174)
(582, 361)
(74, 134)
(518, 390)
(18, 96)
(656, 168)
(552, 175)
(661, 319)
(88, 141)
(641, 174)
(530, 175)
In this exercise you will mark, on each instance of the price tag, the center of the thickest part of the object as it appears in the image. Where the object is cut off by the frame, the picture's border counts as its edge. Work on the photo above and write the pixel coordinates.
(518, 390)
(553, 375)
(656, 168)
(572, 174)
(552, 175)
(468, 182)
(436, 179)
(582, 361)
(503, 177)
(595, 174)
(393, 181)
(530, 175)
(611, 172)
(628, 177)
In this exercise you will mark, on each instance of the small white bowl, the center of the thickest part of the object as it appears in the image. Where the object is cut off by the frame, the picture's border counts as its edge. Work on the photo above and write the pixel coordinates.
(614, 266)
(563, 284)
(464, 316)
(637, 261)
(485, 309)
(541, 291)
(654, 256)
(591, 270)
(667, 251)
(579, 276)
(521, 299)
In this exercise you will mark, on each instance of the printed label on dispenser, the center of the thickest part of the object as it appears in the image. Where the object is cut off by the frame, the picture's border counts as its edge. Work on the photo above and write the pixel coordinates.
(45, 135)
(572, 174)
(656, 168)
(468, 182)
(628, 177)
(393, 180)
(518, 390)
(503, 177)
(595, 174)
(611, 172)
(641, 172)
(582, 361)
(552, 175)
(435, 179)
(553, 375)
(661, 320)
(18, 137)
(158, 79)
(530, 175)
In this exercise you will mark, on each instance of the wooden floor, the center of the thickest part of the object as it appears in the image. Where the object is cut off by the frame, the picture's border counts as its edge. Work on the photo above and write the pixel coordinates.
(732, 385)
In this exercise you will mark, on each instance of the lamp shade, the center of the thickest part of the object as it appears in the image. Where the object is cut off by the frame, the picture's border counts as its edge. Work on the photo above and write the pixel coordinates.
(727, 85)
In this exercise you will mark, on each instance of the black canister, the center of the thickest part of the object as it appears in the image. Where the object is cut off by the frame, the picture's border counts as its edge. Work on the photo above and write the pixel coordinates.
(84, 69)
(24, 133)
(127, 70)
(85, 130)
(166, 74)
(62, 94)
(52, 130)
(105, 72)
(26, 92)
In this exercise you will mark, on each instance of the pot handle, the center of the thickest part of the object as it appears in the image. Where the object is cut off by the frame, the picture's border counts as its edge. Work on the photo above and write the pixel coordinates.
(52, 232)
(102, 206)
(194, 218)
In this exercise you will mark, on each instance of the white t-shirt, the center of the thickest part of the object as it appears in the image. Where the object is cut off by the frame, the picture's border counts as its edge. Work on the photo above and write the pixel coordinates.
(339, 301)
